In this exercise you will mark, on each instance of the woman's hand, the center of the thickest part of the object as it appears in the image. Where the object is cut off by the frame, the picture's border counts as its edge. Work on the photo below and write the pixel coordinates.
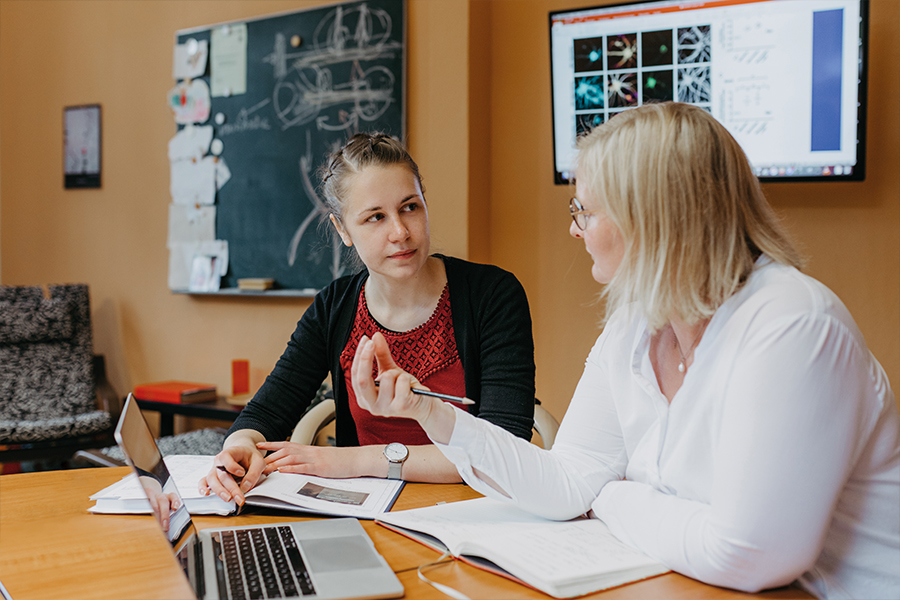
(322, 461)
(161, 503)
(393, 396)
(240, 460)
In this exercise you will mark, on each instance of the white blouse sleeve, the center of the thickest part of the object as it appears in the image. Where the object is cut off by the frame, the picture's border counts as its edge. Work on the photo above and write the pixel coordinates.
(793, 423)
(557, 484)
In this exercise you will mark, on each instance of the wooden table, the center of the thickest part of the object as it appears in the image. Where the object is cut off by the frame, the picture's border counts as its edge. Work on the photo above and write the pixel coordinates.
(220, 410)
(51, 547)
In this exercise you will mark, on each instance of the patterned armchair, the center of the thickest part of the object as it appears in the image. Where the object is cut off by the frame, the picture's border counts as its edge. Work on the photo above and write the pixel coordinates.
(50, 381)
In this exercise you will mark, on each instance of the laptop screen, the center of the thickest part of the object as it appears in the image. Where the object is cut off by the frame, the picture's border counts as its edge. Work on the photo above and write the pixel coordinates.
(134, 437)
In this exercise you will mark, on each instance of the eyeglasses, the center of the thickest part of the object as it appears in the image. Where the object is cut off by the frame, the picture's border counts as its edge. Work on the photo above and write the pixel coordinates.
(579, 214)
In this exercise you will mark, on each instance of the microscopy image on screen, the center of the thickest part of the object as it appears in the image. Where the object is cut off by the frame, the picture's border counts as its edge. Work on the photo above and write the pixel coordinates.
(589, 92)
(694, 44)
(658, 85)
(621, 89)
(587, 121)
(588, 54)
(785, 78)
(693, 85)
(656, 48)
(621, 51)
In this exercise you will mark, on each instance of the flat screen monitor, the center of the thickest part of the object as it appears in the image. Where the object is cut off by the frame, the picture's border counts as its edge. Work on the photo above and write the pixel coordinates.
(787, 78)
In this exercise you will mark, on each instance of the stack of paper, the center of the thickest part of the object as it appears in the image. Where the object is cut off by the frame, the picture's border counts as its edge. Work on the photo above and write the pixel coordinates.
(360, 497)
(127, 496)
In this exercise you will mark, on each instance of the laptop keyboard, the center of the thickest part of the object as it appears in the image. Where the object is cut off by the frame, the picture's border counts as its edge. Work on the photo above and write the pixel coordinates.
(261, 563)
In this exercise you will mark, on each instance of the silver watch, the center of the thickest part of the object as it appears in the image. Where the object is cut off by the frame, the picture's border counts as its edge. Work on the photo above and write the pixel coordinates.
(396, 454)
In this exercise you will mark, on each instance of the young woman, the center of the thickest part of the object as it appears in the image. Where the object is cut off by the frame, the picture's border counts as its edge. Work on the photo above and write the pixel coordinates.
(463, 329)
(730, 421)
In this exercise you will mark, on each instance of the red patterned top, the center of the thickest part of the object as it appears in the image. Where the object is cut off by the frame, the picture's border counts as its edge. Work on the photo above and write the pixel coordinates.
(427, 352)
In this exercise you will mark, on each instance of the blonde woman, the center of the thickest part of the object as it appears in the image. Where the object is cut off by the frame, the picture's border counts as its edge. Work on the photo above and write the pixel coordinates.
(462, 328)
(730, 421)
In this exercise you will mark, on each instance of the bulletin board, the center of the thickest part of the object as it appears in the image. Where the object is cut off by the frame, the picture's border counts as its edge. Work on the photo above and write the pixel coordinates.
(313, 79)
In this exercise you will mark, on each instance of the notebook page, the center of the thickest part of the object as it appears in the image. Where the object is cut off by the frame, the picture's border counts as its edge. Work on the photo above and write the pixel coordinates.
(524, 544)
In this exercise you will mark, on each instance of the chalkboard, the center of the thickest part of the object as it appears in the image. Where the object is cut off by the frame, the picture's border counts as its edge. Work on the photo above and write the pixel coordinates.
(302, 101)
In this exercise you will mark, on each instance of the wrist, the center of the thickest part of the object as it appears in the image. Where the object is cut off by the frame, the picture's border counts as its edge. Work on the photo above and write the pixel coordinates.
(439, 421)
(370, 461)
(242, 439)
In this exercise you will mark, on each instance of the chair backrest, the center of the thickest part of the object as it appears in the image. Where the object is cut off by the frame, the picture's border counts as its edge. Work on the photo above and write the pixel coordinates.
(320, 415)
(313, 421)
(45, 352)
(546, 425)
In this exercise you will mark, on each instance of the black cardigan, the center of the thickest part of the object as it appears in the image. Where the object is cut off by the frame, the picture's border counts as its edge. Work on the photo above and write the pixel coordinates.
(492, 325)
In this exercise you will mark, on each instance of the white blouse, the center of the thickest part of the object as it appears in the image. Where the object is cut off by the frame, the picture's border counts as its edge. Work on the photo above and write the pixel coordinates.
(778, 459)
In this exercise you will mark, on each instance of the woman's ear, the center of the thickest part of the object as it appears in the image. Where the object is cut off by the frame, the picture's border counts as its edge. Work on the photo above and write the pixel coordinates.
(337, 226)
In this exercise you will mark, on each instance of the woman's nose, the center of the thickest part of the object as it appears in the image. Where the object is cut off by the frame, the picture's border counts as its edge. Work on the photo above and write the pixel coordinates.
(399, 231)
(573, 230)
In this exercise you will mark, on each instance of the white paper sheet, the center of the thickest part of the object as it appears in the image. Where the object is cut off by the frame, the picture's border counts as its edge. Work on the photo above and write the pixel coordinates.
(223, 173)
(190, 223)
(127, 496)
(193, 181)
(190, 142)
(228, 60)
(190, 59)
(190, 102)
(204, 274)
(181, 258)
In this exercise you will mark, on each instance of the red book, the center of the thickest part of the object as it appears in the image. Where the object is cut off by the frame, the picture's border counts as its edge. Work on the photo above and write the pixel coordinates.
(175, 392)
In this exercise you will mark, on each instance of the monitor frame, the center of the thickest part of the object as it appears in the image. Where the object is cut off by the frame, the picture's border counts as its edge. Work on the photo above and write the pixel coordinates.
(859, 169)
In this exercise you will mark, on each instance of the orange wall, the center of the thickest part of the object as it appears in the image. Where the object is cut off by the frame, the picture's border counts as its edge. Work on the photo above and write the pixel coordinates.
(480, 131)
(119, 54)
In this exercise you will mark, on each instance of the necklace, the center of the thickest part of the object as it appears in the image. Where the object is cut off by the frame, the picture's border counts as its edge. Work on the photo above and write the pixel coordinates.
(682, 366)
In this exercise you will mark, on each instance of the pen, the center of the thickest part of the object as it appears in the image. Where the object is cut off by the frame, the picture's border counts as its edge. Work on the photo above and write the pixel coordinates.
(448, 397)
(222, 468)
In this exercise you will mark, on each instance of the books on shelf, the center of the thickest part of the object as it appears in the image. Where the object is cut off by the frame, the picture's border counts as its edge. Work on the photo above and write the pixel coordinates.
(561, 558)
(176, 392)
(256, 283)
(362, 497)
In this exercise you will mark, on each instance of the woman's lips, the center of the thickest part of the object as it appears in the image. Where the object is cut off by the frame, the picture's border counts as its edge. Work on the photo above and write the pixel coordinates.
(403, 254)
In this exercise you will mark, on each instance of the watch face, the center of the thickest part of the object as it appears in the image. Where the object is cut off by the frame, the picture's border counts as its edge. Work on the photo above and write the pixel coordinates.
(396, 452)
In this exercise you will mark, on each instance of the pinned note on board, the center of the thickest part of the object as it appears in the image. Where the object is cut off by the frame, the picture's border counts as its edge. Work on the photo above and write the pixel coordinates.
(228, 63)
(190, 223)
(223, 173)
(181, 261)
(189, 100)
(205, 275)
(190, 142)
(193, 181)
(190, 59)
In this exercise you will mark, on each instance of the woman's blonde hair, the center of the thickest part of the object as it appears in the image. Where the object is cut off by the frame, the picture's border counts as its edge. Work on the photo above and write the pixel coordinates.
(691, 213)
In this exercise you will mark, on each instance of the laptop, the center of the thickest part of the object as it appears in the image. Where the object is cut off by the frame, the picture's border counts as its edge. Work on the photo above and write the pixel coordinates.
(315, 560)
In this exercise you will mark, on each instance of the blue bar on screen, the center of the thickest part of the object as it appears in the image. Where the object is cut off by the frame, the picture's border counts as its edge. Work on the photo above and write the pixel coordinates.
(827, 45)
